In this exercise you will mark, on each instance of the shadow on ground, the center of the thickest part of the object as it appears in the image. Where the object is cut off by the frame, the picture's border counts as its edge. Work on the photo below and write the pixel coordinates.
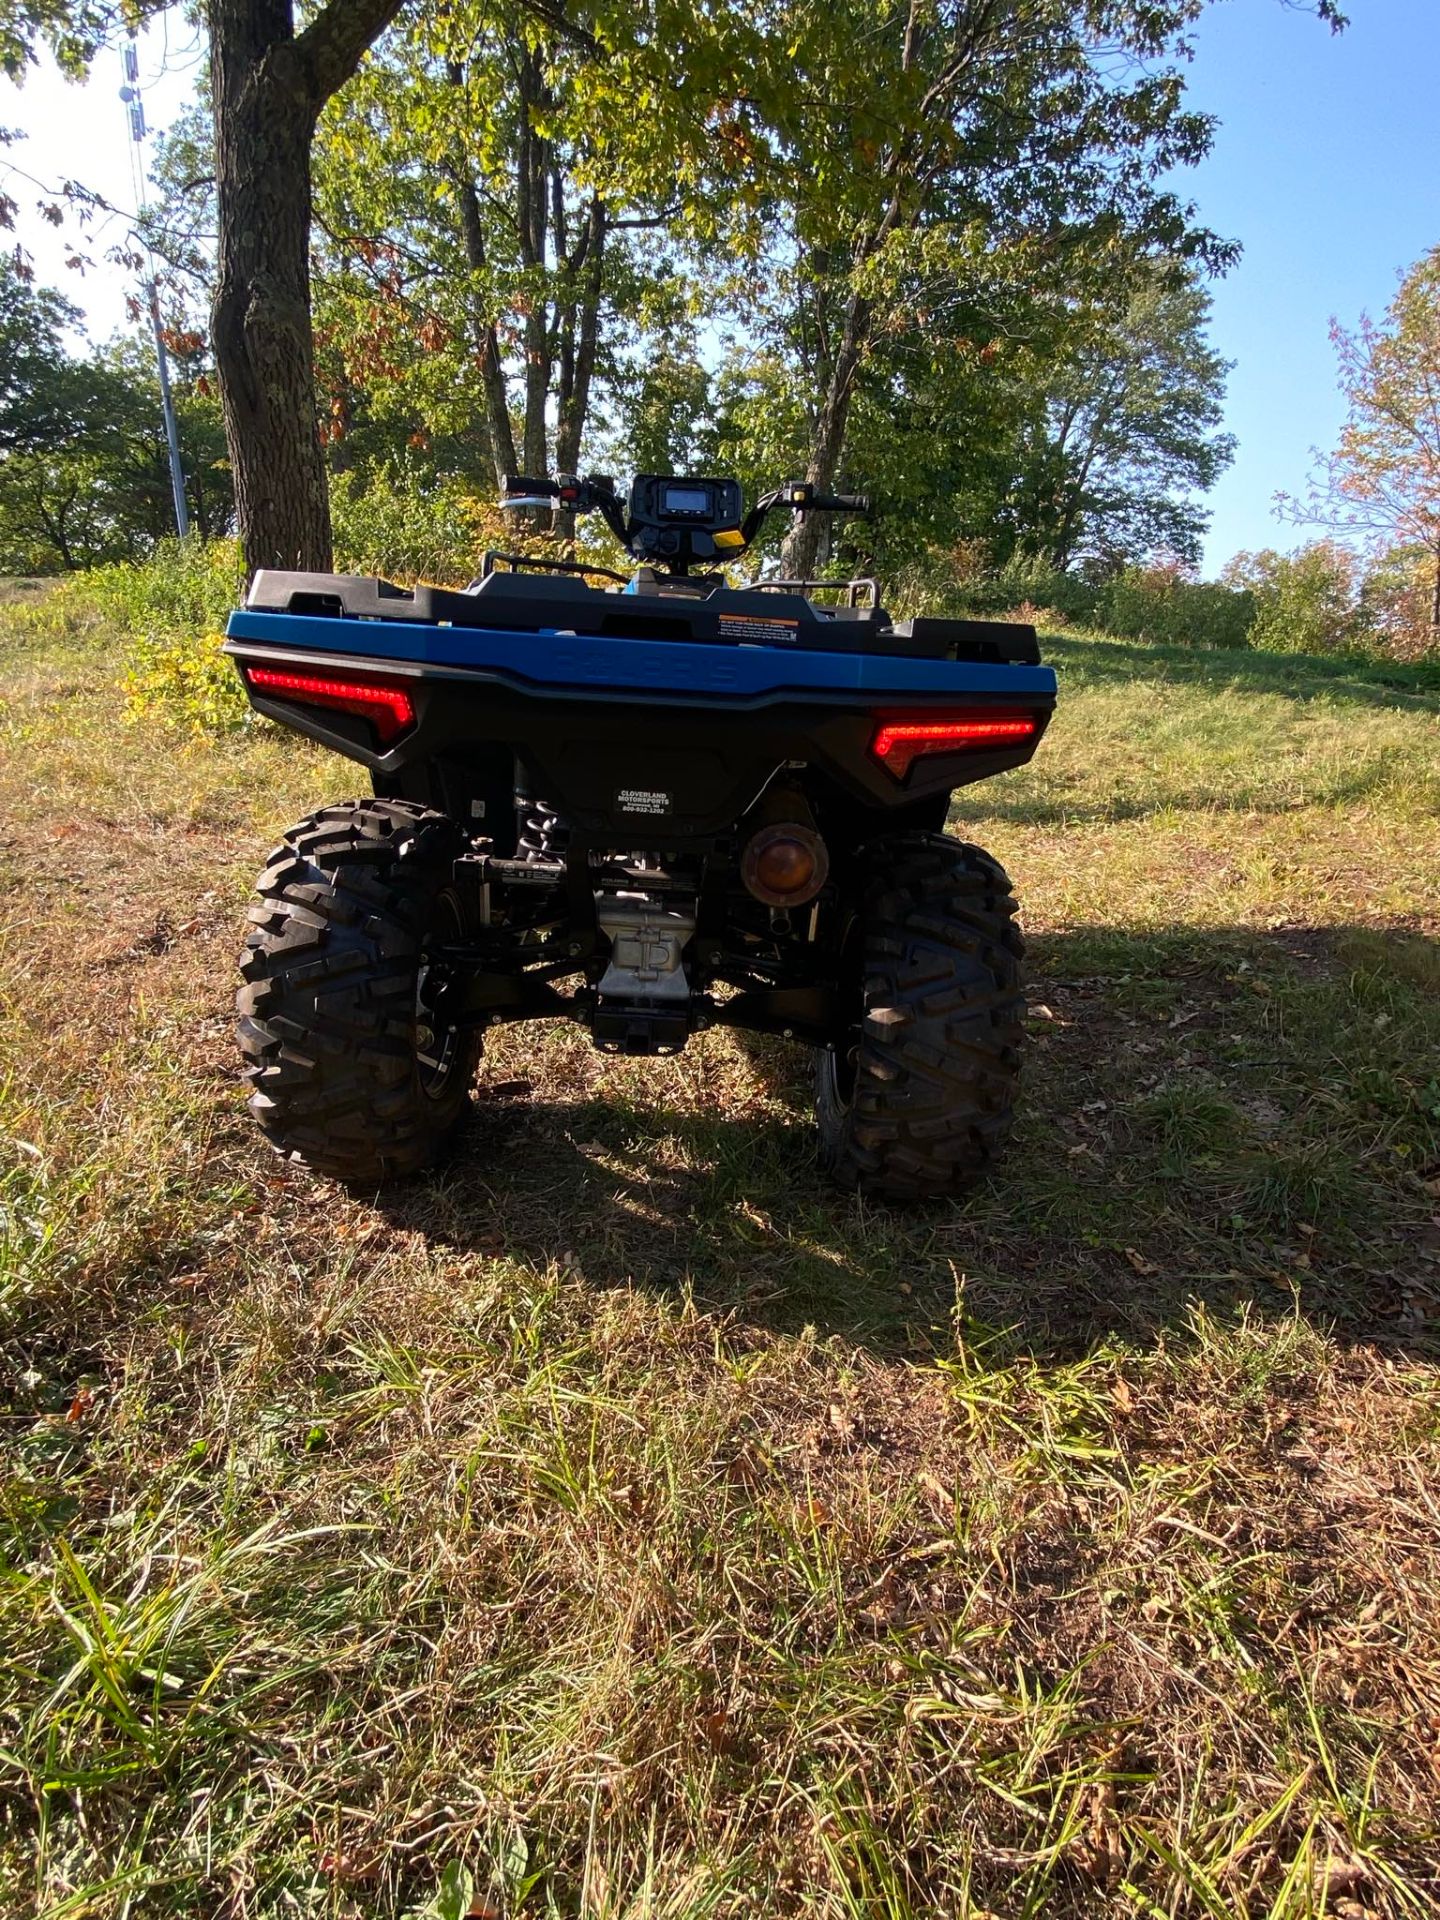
(1227, 1117)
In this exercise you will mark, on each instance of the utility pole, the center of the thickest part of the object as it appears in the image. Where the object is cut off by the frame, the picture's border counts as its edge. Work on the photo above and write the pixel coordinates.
(130, 94)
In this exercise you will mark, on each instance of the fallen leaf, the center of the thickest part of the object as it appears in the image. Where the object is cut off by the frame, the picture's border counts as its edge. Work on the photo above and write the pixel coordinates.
(1140, 1263)
(937, 1490)
(351, 1869)
(717, 1731)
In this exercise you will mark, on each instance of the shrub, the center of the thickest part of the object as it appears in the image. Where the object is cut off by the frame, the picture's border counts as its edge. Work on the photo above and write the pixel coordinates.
(1031, 583)
(1398, 598)
(1160, 604)
(1305, 602)
(410, 525)
(1142, 603)
(171, 610)
(956, 583)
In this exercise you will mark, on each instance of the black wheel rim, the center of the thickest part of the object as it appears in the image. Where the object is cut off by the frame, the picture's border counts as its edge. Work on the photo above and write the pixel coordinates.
(438, 1045)
(843, 1055)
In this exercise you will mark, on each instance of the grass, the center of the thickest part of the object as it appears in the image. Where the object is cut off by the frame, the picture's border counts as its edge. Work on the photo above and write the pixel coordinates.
(619, 1523)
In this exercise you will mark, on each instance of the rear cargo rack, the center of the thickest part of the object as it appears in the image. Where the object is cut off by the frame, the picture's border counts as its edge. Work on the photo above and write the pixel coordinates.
(852, 589)
(492, 561)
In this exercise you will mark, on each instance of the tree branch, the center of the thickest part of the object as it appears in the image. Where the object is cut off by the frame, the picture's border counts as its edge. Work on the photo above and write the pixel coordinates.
(337, 40)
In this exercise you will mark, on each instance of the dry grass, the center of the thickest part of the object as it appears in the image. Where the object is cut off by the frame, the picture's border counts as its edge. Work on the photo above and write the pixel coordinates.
(621, 1524)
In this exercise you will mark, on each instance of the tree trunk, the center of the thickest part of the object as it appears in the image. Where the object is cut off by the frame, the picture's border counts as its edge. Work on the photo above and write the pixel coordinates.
(263, 345)
(1435, 597)
(532, 203)
(808, 536)
(579, 367)
(487, 343)
(268, 87)
(577, 360)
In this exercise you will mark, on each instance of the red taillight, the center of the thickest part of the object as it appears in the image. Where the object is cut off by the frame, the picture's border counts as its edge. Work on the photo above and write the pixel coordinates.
(898, 744)
(386, 705)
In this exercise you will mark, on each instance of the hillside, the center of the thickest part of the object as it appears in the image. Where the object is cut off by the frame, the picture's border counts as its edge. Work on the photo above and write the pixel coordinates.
(621, 1523)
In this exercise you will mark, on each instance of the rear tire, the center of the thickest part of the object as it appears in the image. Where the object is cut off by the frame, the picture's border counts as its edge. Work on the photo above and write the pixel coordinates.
(917, 1102)
(349, 1075)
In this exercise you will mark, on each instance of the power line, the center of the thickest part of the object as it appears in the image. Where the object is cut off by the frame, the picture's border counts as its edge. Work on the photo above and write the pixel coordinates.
(135, 109)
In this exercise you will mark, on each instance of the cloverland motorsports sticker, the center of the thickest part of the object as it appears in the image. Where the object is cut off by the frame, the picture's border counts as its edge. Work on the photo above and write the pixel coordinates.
(639, 800)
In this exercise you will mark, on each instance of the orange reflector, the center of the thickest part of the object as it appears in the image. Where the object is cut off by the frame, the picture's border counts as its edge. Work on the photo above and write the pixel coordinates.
(387, 706)
(785, 864)
(785, 867)
(898, 744)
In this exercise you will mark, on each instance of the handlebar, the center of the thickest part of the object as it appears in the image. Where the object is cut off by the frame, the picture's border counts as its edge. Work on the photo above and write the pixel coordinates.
(596, 494)
(523, 491)
(801, 497)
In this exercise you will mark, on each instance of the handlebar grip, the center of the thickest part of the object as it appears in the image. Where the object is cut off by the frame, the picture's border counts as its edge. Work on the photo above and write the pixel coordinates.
(835, 503)
(523, 483)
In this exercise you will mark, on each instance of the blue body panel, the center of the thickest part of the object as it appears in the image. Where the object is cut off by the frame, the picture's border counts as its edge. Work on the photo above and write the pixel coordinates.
(558, 663)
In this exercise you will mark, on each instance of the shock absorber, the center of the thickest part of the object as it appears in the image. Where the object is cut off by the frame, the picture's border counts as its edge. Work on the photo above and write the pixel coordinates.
(540, 832)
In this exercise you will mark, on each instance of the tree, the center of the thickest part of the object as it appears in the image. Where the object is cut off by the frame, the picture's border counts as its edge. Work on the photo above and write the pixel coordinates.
(507, 197)
(42, 398)
(1122, 430)
(1382, 483)
(1305, 602)
(268, 84)
(83, 467)
(1037, 132)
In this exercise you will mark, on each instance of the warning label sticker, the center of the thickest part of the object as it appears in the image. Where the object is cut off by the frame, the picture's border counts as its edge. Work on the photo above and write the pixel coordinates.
(758, 629)
(638, 800)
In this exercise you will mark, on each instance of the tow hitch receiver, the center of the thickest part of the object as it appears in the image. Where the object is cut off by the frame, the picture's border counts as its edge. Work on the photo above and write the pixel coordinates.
(643, 1002)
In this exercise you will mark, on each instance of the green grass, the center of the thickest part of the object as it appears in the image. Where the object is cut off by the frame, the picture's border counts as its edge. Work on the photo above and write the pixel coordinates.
(620, 1523)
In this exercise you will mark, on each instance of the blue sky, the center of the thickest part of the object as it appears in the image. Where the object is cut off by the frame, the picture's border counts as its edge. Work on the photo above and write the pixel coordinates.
(1326, 168)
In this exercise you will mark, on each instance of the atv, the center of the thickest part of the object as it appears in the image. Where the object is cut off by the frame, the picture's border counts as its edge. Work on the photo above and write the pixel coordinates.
(656, 804)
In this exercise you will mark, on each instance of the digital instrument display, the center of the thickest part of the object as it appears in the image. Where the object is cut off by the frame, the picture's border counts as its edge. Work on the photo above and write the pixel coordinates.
(685, 500)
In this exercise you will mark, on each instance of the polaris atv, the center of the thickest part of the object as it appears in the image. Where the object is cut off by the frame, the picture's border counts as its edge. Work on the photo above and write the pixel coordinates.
(653, 805)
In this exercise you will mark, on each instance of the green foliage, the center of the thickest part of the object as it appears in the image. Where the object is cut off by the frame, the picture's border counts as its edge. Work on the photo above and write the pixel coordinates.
(1120, 430)
(1305, 602)
(1382, 483)
(84, 473)
(958, 263)
(72, 30)
(1160, 604)
(664, 402)
(1021, 583)
(1399, 596)
(173, 608)
(405, 523)
(170, 611)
